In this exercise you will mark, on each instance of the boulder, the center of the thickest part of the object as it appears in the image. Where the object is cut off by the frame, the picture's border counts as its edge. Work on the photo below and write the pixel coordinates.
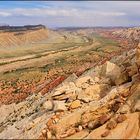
(70, 96)
(84, 85)
(92, 93)
(81, 81)
(60, 90)
(106, 133)
(93, 124)
(67, 121)
(122, 78)
(75, 104)
(104, 80)
(111, 71)
(137, 106)
(111, 124)
(124, 109)
(121, 118)
(59, 106)
(132, 70)
(136, 78)
(65, 91)
(128, 129)
(48, 105)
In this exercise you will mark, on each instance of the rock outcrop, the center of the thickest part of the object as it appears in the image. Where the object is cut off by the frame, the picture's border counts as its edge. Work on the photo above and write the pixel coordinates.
(105, 106)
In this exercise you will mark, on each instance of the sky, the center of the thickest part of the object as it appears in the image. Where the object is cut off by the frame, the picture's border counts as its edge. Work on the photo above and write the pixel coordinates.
(70, 13)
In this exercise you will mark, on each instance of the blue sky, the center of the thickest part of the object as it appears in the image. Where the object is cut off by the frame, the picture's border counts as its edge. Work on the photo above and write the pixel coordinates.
(70, 13)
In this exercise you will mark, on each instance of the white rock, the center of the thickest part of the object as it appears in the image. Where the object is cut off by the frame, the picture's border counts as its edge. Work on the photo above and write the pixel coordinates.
(80, 128)
(59, 106)
(137, 106)
(48, 105)
(49, 135)
(111, 70)
(86, 79)
(96, 79)
(124, 109)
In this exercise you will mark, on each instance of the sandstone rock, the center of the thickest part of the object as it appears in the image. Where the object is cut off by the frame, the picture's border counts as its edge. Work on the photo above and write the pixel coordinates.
(79, 135)
(93, 124)
(124, 109)
(48, 105)
(49, 135)
(92, 93)
(6, 111)
(96, 79)
(66, 91)
(58, 93)
(115, 107)
(71, 96)
(75, 104)
(67, 121)
(106, 133)
(70, 131)
(80, 81)
(132, 70)
(71, 78)
(80, 128)
(121, 118)
(111, 124)
(125, 90)
(111, 70)
(44, 132)
(128, 129)
(137, 106)
(60, 90)
(104, 80)
(63, 88)
(59, 106)
(138, 55)
(136, 78)
(84, 85)
(122, 78)
(10, 133)
(104, 118)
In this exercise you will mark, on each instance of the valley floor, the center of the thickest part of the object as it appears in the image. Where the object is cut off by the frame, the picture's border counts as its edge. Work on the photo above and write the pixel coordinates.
(30, 71)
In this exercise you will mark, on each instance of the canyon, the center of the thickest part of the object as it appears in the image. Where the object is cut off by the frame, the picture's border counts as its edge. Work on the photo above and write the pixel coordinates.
(79, 83)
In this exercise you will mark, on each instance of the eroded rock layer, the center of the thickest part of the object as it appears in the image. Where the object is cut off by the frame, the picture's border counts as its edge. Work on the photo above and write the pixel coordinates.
(102, 103)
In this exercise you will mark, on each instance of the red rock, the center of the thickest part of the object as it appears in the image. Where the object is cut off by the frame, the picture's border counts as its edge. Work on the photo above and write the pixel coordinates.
(121, 118)
(106, 133)
(111, 125)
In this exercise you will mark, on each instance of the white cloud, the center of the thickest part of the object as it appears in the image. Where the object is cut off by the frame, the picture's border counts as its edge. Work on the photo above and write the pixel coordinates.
(39, 12)
(79, 13)
(4, 14)
(111, 13)
(68, 12)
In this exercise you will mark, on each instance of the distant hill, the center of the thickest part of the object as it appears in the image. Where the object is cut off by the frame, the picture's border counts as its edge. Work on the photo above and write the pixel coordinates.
(7, 28)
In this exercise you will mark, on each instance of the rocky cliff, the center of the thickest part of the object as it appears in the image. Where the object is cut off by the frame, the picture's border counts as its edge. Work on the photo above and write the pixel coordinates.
(129, 33)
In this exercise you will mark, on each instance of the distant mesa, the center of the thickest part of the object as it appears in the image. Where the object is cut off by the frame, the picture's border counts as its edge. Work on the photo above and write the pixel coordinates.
(21, 35)
(8, 28)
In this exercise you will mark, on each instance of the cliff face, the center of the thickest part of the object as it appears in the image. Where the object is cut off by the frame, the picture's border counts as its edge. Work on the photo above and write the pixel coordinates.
(103, 103)
(24, 35)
